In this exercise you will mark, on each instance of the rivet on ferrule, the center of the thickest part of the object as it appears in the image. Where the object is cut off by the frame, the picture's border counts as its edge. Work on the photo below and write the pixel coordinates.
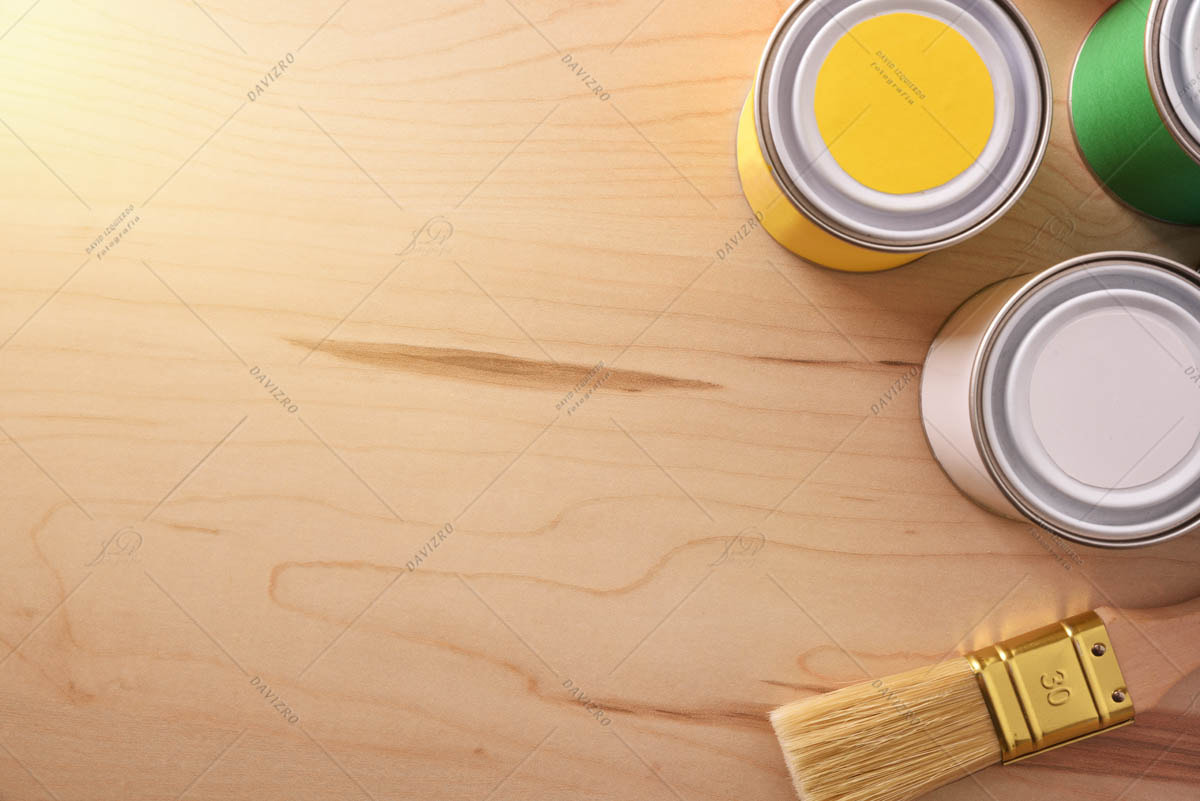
(1053, 686)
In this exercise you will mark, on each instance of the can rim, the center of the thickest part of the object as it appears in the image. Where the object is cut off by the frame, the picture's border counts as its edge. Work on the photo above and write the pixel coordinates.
(1158, 82)
(979, 424)
(802, 204)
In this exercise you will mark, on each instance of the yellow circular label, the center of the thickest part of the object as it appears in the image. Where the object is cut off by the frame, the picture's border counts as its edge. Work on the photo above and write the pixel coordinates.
(904, 103)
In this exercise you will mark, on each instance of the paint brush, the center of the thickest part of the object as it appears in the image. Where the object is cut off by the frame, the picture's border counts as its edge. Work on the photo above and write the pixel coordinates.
(897, 738)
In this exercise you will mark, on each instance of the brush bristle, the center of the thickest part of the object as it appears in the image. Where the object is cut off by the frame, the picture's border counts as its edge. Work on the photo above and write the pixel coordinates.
(892, 739)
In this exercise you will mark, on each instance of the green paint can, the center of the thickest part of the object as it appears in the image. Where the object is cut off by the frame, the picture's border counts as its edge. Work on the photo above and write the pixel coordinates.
(1135, 106)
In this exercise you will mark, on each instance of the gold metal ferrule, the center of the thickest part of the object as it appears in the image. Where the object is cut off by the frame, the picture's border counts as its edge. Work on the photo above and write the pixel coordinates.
(1053, 686)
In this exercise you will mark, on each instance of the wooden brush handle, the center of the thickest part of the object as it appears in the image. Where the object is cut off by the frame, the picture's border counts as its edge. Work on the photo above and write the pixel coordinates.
(1157, 648)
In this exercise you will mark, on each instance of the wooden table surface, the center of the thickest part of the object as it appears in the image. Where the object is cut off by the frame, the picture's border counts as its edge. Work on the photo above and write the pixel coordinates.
(430, 427)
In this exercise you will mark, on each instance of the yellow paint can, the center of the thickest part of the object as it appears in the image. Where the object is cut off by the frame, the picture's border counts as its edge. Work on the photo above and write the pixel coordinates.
(881, 130)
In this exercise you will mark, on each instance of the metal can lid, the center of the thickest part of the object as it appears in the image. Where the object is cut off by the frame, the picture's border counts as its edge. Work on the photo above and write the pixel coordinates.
(1173, 66)
(1087, 399)
(903, 125)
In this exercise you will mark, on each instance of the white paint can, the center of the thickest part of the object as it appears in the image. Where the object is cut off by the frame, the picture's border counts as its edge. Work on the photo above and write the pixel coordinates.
(1071, 398)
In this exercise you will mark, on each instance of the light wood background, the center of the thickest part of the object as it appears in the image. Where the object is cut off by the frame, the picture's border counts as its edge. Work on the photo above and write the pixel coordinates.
(426, 232)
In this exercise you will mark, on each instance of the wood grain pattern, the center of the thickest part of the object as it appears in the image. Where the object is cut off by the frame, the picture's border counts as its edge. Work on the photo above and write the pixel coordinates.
(409, 438)
(1160, 646)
